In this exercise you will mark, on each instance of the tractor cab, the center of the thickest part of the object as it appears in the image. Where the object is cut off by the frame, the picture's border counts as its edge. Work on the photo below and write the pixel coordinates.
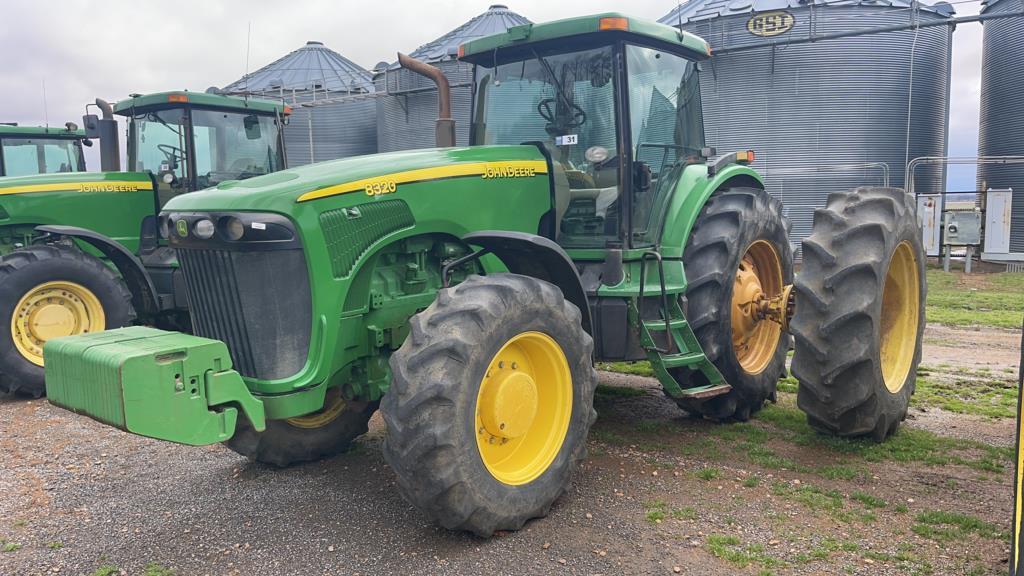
(614, 103)
(191, 141)
(28, 150)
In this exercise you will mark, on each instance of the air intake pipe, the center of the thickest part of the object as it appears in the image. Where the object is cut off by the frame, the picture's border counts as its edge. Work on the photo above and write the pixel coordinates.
(445, 131)
(110, 146)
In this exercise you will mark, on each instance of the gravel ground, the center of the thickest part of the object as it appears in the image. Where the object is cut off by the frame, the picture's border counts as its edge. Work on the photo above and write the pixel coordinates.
(78, 495)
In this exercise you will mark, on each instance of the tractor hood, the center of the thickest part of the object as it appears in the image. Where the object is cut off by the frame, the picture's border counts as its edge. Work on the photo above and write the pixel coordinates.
(362, 176)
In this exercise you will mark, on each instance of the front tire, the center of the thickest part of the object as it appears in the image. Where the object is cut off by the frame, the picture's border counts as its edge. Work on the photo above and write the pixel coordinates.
(737, 252)
(859, 319)
(324, 434)
(48, 292)
(490, 403)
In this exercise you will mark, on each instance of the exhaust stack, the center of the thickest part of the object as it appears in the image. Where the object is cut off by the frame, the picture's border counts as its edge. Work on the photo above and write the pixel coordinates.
(110, 146)
(445, 131)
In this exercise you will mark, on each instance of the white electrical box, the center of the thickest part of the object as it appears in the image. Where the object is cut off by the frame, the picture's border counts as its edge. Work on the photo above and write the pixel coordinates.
(929, 215)
(998, 204)
(962, 227)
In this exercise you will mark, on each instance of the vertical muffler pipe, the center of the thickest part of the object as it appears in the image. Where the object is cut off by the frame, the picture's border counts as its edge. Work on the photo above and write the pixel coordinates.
(445, 131)
(110, 146)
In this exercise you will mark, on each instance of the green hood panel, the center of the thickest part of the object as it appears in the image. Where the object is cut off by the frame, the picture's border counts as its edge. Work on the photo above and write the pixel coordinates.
(317, 182)
(76, 182)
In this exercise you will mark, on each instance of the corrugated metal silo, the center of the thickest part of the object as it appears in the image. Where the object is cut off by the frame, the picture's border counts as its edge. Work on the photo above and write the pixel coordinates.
(1002, 117)
(406, 116)
(818, 113)
(344, 125)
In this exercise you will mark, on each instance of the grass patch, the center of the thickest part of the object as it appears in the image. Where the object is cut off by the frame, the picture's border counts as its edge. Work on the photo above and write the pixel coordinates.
(751, 482)
(981, 395)
(642, 368)
(907, 445)
(840, 472)
(687, 513)
(868, 500)
(943, 526)
(618, 391)
(708, 474)
(655, 511)
(106, 570)
(154, 569)
(54, 545)
(986, 300)
(9, 546)
(728, 548)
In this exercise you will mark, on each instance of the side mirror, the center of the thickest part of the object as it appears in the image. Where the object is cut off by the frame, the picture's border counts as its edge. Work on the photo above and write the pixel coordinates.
(91, 123)
(252, 127)
(87, 143)
(642, 177)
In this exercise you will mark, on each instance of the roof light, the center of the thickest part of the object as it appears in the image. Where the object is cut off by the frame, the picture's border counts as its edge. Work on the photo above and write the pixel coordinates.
(462, 50)
(614, 23)
(287, 110)
(177, 98)
(746, 157)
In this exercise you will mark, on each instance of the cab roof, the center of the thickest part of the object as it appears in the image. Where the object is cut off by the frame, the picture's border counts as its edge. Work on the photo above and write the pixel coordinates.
(29, 131)
(202, 100)
(640, 30)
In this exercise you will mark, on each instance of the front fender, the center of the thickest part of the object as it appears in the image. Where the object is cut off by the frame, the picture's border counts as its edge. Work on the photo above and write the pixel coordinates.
(691, 193)
(538, 257)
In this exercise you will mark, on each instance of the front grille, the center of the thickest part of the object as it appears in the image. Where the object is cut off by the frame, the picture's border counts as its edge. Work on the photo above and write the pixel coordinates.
(256, 302)
(350, 232)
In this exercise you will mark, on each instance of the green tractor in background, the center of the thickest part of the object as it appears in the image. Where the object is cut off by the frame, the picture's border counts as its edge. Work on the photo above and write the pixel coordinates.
(467, 292)
(80, 251)
(27, 150)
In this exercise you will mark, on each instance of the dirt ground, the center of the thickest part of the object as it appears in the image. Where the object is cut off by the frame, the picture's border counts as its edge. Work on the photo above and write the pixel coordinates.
(660, 493)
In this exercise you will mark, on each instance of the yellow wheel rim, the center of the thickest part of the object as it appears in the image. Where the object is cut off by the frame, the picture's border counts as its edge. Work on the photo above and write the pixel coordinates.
(334, 405)
(52, 310)
(901, 304)
(523, 408)
(755, 337)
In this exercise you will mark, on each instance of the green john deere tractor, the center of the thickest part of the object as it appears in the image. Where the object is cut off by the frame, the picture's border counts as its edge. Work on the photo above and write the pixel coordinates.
(27, 150)
(80, 251)
(468, 291)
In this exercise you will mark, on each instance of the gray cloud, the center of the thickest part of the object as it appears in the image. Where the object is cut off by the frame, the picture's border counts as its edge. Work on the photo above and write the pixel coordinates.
(83, 50)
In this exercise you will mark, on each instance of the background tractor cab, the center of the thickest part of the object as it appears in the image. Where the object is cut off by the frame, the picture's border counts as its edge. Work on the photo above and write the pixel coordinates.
(619, 120)
(26, 150)
(191, 141)
(81, 251)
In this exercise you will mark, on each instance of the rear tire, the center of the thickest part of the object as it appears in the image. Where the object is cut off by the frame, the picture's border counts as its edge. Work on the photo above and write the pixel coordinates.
(859, 318)
(450, 464)
(323, 434)
(79, 291)
(732, 221)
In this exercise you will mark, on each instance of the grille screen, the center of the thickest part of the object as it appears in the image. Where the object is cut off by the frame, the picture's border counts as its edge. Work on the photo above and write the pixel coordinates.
(258, 303)
(350, 232)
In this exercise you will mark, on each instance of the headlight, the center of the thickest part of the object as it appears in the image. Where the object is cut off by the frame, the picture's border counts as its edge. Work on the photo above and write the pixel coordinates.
(203, 229)
(164, 226)
(168, 178)
(232, 228)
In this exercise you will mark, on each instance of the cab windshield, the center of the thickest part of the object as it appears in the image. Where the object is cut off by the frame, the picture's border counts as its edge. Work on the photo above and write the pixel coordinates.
(27, 156)
(566, 102)
(225, 146)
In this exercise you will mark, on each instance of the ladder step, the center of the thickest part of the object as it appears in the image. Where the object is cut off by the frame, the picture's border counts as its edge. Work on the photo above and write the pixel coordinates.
(659, 325)
(705, 392)
(679, 360)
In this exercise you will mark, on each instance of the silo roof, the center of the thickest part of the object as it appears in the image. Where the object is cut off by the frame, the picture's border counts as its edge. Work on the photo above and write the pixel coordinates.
(497, 19)
(695, 10)
(313, 65)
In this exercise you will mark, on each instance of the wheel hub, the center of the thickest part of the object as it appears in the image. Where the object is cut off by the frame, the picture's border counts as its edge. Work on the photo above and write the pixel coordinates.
(53, 310)
(508, 404)
(758, 295)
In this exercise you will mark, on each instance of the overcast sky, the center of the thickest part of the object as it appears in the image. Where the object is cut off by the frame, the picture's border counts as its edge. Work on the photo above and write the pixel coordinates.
(83, 50)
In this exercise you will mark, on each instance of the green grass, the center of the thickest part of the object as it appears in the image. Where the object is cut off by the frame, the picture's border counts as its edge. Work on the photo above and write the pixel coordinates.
(708, 473)
(729, 548)
(106, 570)
(868, 500)
(751, 482)
(687, 513)
(655, 511)
(907, 445)
(945, 526)
(966, 392)
(997, 301)
(642, 368)
(154, 569)
(9, 546)
(54, 545)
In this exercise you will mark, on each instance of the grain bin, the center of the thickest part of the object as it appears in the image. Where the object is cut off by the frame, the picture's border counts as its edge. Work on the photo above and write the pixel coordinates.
(1002, 117)
(343, 125)
(831, 114)
(406, 116)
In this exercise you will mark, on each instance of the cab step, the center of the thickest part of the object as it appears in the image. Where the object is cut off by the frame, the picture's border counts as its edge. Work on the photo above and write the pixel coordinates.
(705, 392)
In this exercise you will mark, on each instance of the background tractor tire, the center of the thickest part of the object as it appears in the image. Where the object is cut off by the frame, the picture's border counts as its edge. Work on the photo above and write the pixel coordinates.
(437, 441)
(323, 434)
(731, 222)
(52, 291)
(859, 316)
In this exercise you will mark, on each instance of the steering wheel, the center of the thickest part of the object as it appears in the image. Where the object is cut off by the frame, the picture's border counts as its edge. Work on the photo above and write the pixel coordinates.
(579, 117)
(173, 153)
